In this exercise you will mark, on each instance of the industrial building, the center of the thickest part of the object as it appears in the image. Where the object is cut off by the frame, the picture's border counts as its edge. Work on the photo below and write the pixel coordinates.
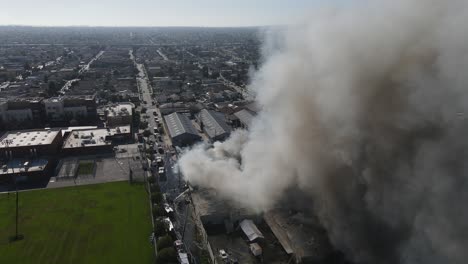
(213, 124)
(244, 118)
(181, 130)
(215, 210)
(30, 143)
(302, 238)
(95, 141)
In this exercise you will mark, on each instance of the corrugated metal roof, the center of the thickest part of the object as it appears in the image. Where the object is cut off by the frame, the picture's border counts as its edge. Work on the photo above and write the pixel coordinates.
(179, 124)
(245, 116)
(213, 123)
(250, 230)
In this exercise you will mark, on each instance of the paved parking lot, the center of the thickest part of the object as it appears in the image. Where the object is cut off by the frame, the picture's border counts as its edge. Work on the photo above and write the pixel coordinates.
(108, 169)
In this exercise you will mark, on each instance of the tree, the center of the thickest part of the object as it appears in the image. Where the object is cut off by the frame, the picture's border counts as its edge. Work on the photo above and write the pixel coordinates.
(52, 89)
(143, 110)
(154, 187)
(144, 125)
(136, 119)
(146, 133)
(205, 72)
(151, 180)
(167, 256)
(205, 257)
(164, 242)
(158, 211)
(150, 152)
(160, 228)
(27, 66)
(156, 197)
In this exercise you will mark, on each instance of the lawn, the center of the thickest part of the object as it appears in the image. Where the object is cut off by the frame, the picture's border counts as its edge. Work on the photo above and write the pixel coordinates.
(85, 168)
(103, 223)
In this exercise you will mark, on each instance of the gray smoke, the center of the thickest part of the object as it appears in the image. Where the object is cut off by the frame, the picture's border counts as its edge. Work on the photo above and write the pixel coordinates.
(364, 108)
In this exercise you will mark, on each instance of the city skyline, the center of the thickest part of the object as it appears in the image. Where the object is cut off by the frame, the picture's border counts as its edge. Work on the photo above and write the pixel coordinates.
(145, 13)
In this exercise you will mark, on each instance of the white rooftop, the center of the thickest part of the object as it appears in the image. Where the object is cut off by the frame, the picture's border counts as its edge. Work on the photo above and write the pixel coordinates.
(250, 230)
(28, 138)
(93, 137)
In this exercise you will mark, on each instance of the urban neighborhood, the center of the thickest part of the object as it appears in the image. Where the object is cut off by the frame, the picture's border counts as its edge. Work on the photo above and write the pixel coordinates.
(121, 106)
(233, 132)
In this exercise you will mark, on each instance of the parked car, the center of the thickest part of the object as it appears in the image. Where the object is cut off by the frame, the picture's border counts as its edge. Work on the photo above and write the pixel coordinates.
(223, 254)
(159, 161)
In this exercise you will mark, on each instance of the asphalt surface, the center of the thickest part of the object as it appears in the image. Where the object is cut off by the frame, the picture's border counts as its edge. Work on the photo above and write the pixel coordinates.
(172, 184)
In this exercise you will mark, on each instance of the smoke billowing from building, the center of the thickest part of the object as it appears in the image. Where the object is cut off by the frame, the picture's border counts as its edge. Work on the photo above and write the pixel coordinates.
(365, 109)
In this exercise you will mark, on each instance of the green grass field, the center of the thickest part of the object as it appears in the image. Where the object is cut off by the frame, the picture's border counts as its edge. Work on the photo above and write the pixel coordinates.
(85, 168)
(104, 223)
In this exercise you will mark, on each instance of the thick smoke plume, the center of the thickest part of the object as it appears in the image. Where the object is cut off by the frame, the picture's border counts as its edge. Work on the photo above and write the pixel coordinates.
(365, 108)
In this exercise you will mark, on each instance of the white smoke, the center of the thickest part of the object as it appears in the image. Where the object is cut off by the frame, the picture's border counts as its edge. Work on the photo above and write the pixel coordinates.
(365, 108)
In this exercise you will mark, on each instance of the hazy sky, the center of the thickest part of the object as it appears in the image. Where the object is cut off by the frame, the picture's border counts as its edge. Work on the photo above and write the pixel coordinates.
(154, 12)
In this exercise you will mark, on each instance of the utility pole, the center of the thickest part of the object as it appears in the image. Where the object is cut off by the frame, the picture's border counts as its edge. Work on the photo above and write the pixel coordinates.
(17, 236)
(7, 143)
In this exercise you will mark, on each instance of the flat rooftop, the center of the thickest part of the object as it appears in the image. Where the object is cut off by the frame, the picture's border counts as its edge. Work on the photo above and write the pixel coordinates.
(93, 137)
(124, 109)
(28, 138)
(69, 129)
(18, 166)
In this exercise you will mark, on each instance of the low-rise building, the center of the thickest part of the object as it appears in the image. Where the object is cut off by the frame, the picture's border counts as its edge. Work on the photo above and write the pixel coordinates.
(301, 237)
(119, 114)
(70, 107)
(213, 125)
(181, 130)
(243, 118)
(25, 170)
(95, 141)
(30, 143)
(21, 110)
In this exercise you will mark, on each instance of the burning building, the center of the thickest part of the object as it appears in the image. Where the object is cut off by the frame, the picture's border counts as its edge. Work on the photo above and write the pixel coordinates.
(364, 110)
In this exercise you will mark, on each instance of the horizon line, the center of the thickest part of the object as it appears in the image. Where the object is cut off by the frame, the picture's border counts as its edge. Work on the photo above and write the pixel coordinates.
(132, 26)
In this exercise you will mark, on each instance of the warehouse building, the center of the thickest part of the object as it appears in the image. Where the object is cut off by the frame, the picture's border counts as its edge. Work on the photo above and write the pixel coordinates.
(181, 130)
(302, 238)
(215, 210)
(243, 118)
(213, 125)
